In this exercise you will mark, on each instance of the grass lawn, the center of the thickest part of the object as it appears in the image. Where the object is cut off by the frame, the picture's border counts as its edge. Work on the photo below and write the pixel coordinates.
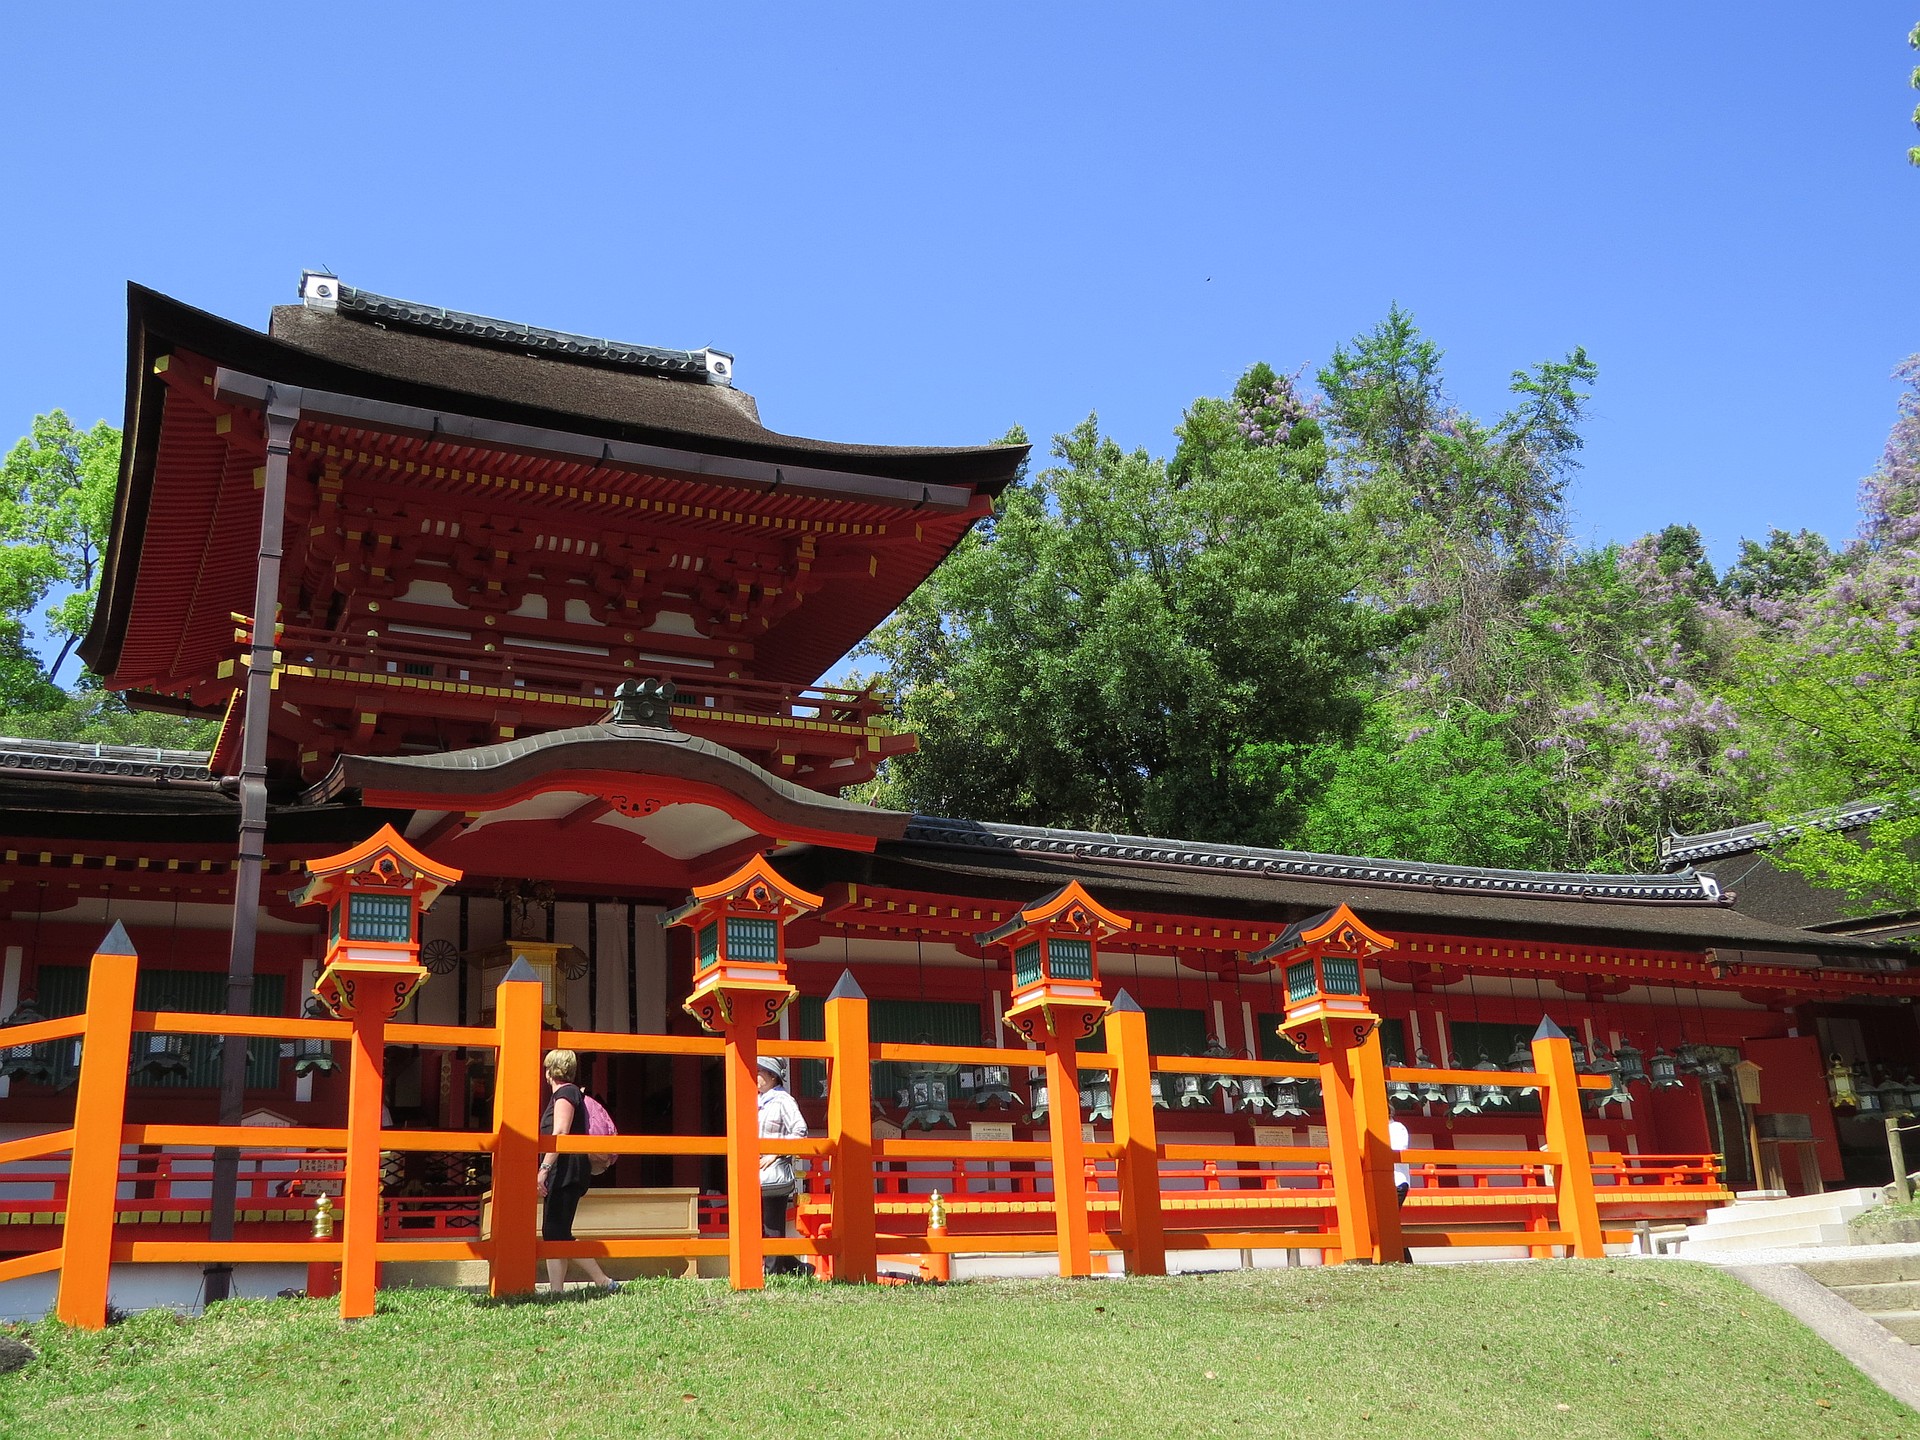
(1598, 1348)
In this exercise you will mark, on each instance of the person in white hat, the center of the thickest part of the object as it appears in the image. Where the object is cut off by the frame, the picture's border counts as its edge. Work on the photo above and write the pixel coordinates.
(780, 1119)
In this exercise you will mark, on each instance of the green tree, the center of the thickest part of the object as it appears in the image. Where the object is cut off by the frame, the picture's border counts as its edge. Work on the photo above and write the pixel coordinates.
(1461, 517)
(1833, 686)
(1139, 647)
(56, 505)
(1449, 791)
(57, 489)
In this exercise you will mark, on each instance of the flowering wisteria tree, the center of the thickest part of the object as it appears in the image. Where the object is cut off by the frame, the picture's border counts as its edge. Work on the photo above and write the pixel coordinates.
(1832, 685)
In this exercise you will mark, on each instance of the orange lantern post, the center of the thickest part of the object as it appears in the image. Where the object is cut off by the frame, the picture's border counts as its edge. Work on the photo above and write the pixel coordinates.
(1058, 1000)
(1322, 960)
(375, 894)
(739, 985)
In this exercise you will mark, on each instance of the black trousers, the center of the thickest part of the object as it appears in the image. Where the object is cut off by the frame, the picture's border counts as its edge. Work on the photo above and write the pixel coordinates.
(773, 1225)
(1400, 1195)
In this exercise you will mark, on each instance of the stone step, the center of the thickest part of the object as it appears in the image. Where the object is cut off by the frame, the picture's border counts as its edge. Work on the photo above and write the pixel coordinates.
(1877, 1297)
(1782, 1238)
(1904, 1323)
(1767, 1224)
(1858, 1200)
(1874, 1270)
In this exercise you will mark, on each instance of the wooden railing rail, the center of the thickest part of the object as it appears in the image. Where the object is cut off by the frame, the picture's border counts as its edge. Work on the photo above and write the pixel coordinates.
(1133, 1193)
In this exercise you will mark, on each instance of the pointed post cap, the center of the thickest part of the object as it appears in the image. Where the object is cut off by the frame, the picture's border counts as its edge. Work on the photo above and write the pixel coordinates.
(116, 942)
(520, 970)
(1126, 1003)
(847, 988)
(1548, 1030)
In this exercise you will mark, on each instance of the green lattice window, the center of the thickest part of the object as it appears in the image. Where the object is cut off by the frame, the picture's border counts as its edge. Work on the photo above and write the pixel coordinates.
(708, 945)
(1340, 974)
(1026, 964)
(63, 991)
(380, 917)
(752, 939)
(1070, 959)
(1300, 981)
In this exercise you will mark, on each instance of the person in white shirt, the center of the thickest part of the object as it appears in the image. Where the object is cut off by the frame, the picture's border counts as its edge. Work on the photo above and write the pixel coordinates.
(1398, 1140)
(780, 1119)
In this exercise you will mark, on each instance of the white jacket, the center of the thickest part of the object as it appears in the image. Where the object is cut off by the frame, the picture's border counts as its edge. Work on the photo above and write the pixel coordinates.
(780, 1119)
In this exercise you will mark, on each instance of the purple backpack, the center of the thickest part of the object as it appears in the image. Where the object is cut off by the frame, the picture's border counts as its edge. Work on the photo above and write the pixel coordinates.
(598, 1123)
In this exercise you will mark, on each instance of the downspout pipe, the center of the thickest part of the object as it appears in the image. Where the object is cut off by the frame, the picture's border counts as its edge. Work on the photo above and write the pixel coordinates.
(282, 413)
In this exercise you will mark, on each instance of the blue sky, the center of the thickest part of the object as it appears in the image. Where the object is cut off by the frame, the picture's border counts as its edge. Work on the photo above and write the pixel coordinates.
(920, 224)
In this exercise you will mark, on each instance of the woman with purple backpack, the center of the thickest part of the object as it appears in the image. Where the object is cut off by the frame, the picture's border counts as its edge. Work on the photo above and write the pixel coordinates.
(563, 1178)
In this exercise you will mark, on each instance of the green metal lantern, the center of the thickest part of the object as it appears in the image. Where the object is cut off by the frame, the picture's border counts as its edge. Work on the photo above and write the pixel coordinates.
(163, 1056)
(1431, 1093)
(1664, 1069)
(1191, 1089)
(986, 1085)
(929, 1093)
(1492, 1096)
(1096, 1098)
(1253, 1094)
(1222, 1086)
(1616, 1094)
(1463, 1100)
(1632, 1063)
(1869, 1093)
(309, 1056)
(1038, 1105)
(1286, 1098)
(31, 1063)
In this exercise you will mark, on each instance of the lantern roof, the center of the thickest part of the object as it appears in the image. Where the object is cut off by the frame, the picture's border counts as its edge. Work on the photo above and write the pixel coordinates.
(1338, 924)
(386, 850)
(1051, 906)
(756, 879)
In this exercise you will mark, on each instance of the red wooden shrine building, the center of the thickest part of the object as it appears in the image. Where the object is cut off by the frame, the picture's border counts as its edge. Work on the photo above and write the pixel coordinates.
(556, 609)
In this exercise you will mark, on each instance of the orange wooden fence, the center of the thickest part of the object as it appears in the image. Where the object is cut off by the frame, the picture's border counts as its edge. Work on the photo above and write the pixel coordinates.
(1134, 1195)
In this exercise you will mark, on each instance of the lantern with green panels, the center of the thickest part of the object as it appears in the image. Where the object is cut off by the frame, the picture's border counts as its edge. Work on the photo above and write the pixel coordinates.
(1054, 945)
(1323, 962)
(740, 945)
(375, 895)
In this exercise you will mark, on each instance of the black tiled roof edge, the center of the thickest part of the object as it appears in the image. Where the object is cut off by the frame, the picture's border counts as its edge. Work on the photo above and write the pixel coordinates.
(1686, 888)
(1741, 839)
(509, 334)
(136, 762)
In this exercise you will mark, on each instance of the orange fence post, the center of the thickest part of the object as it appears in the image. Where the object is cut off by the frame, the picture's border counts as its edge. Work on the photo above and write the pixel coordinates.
(1351, 1202)
(99, 1113)
(1567, 1134)
(746, 1250)
(1374, 1114)
(516, 1133)
(1137, 1167)
(850, 1132)
(360, 1195)
(1072, 1232)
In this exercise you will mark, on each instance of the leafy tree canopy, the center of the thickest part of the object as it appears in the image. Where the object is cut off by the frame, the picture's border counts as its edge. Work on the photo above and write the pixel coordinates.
(1137, 646)
(56, 506)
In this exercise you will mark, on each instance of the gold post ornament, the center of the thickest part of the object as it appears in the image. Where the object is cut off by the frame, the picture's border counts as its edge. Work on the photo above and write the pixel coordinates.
(936, 1212)
(323, 1217)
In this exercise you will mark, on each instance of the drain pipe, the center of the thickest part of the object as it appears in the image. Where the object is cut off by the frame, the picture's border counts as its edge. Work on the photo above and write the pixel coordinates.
(282, 413)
